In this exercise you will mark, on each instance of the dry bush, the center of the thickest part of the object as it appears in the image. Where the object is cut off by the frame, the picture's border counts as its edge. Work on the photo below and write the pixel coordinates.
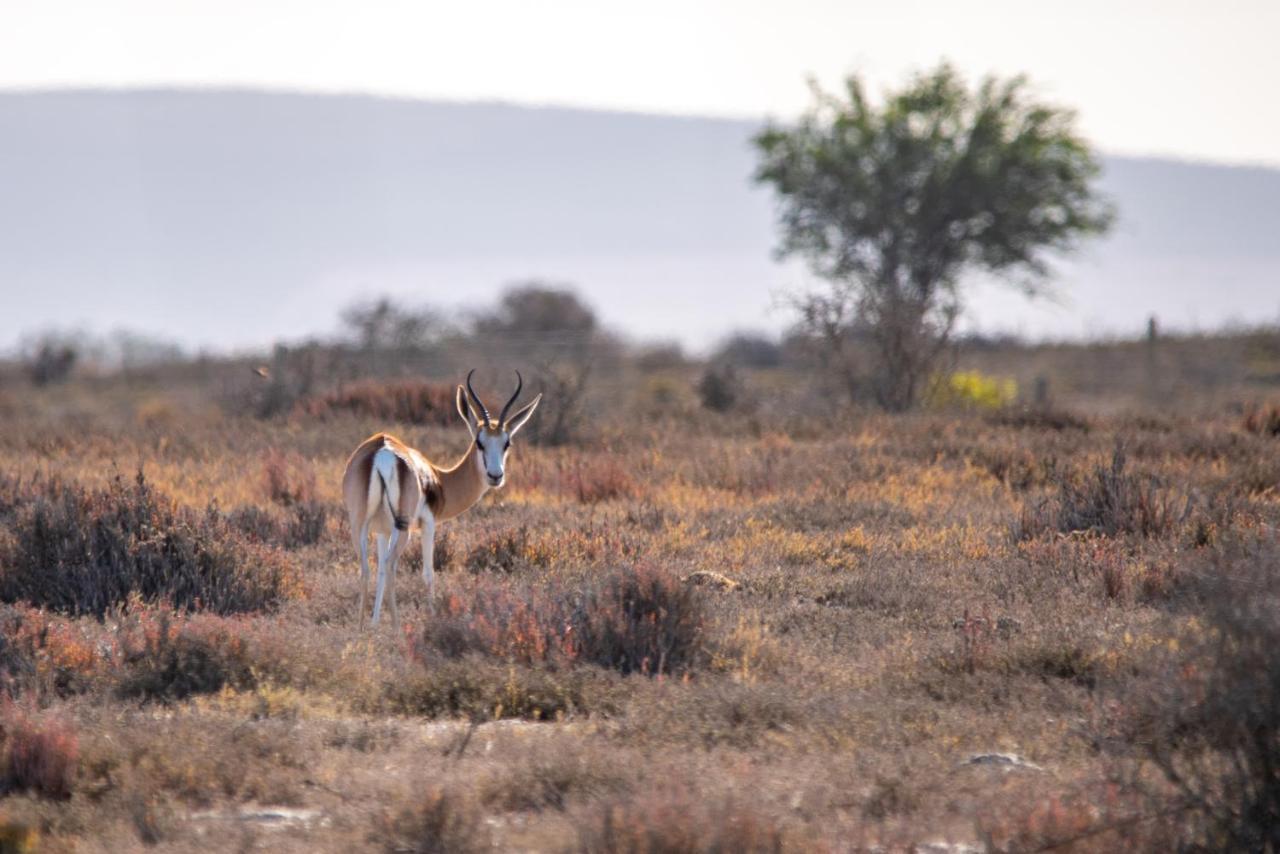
(51, 361)
(175, 661)
(397, 401)
(1111, 501)
(553, 774)
(47, 656)
(1257, 474)
(526, 624)
(287, 480)
(719, 388)
(642, 620)
(1263, 420)
(671, 821)
(197, 759)
(634, 620)
(508, 551)
(717, 713)
(82, 551)
(1016, 467)
(481, 689)
(1097, 820)
(40, 756)
(444, 822)
(17, 655)
(596, 478)
(1211, 721)
(300, 525)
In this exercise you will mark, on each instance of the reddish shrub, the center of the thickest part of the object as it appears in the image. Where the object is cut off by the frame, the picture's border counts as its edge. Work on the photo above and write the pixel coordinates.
(641, 620)
(1263, 420)
(175, 659)
(633, 621)
(403, 401)
(40, 757)
(527, 625)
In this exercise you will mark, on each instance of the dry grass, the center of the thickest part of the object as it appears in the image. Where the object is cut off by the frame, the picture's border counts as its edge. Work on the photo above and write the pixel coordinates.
(180, 653)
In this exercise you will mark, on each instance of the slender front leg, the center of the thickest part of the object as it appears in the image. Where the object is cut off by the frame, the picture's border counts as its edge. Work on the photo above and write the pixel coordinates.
(384, 560)
(428, 557)
(364, 569)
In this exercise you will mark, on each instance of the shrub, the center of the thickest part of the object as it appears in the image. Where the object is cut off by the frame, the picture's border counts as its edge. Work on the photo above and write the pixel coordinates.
(286, 481)
(176, 661)
(481, 689)
(719, 388)
(596, 478)
(1215, 712)
(528, 626)
(1263, 420)
(443, 823)
(552, 775)
(506, 551)
(633, 621)
(641, 621)
(970, 390)
(671, 822)
(81, 551)
(750, 350)
(402, 401)
(1112, 501)
(303, 524)
(51, 361)
(40, 756)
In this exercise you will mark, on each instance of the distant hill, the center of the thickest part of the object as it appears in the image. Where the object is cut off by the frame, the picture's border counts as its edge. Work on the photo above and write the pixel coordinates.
(229, 219)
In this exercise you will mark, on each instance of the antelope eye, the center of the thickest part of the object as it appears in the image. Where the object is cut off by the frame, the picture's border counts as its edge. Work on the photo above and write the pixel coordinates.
(506, 446)
(479, 444)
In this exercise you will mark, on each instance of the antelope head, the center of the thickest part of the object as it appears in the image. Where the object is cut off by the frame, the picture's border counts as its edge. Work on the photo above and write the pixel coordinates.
(493, 437)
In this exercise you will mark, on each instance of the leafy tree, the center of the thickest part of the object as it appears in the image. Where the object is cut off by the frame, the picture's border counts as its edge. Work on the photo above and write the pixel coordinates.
(554, 335)
(537, 309)
(749, 350)
(893, 204)
(384, 324)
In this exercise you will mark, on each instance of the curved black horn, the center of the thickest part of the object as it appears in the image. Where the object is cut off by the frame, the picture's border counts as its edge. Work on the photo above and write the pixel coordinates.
(502, 419)
(475, 397)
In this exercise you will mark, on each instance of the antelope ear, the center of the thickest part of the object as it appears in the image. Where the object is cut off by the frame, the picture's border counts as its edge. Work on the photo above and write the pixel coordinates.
(522, 415)
(464, 409)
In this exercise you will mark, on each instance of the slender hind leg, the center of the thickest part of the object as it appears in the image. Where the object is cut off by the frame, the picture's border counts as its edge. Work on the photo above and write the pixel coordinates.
(428, 558)
(384, 555)
(364, 569)
(394, 569)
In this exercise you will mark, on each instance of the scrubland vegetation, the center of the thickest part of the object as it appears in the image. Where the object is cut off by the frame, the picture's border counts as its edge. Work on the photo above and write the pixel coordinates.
(742, 618)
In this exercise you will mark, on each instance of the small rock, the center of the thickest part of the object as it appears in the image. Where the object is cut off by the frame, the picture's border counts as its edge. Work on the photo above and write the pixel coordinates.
(938, 847)
(266, 817)
(1002, 760)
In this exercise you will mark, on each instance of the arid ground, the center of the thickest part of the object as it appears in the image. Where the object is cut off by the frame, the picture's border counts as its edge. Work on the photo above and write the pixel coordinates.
(797, 630)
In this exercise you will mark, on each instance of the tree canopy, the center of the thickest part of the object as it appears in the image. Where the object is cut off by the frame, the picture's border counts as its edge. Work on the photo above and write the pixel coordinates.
(893, 203)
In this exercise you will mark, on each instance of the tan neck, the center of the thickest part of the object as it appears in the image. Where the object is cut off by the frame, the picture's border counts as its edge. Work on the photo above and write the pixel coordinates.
(463, 484)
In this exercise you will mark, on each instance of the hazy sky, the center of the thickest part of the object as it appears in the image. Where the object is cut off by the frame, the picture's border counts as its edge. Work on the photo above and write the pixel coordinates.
(1190, 78)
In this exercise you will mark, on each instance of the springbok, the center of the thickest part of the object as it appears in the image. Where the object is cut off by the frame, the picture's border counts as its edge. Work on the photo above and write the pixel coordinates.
(387, 485)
